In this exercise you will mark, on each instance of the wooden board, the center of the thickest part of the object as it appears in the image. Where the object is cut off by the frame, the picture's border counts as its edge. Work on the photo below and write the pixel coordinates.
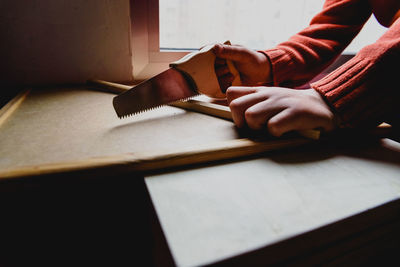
(76, 129)
(309, 206)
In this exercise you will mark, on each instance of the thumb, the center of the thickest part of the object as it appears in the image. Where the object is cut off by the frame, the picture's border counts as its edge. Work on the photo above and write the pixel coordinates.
(231, 52)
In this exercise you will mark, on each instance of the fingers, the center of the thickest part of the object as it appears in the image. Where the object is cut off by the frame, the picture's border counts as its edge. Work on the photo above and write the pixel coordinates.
(259, 114)
(236, 92)
(220, 62)
(282, 122)
(225, 81)
(241, 101)
(224, 76)
(221, 70)
(231, 52)
(280, 110)
(290, 119)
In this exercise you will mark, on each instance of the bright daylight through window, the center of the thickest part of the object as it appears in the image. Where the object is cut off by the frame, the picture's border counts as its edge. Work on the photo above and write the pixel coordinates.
(259, 24)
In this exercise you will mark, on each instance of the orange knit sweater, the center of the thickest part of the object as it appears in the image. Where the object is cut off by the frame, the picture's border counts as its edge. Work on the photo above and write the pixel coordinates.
(365, 91)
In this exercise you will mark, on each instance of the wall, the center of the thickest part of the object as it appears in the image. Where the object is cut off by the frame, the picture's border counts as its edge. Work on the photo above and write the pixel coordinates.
(64, 41)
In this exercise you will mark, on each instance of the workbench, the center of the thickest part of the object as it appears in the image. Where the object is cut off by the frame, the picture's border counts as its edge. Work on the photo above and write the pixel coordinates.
(332, 201)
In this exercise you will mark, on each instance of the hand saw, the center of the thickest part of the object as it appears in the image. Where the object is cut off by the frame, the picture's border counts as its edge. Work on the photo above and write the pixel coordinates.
(191, 75)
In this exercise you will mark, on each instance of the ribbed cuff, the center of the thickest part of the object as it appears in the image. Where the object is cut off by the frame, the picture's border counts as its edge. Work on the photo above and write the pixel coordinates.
(281, 63)
(343, 90)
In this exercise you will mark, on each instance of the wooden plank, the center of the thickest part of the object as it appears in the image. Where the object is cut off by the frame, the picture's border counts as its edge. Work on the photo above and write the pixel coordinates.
(208, 108)
(110, 87)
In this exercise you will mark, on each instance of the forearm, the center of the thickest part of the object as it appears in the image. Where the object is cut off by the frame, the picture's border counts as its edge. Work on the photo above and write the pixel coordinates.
(307, 53)
(365, 91)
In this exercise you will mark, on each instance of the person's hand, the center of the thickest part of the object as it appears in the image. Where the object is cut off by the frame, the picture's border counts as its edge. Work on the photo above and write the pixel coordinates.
(254, 67)
(280, 110)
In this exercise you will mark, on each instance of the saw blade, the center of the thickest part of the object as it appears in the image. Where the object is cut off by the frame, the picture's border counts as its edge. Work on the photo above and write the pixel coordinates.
(166, 87)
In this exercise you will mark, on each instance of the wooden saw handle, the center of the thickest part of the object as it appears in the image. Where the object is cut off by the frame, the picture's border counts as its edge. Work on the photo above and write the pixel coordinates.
(199, 66)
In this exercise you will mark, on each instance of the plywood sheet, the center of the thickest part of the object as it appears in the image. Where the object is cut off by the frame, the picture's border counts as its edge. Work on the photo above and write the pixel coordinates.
(72, 124)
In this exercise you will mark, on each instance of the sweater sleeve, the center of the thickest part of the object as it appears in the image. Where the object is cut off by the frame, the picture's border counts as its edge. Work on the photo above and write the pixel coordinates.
(309, 52)
(365, 91)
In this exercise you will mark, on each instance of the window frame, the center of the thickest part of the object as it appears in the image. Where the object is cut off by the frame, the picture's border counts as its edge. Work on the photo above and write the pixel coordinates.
(147, 58)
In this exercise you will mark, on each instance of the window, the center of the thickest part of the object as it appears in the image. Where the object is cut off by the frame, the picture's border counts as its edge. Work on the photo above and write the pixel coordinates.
(165, 30)
(147, 59)
(254, 23)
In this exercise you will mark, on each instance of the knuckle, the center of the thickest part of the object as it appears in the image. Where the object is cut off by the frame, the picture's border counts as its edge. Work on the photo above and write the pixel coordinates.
(234, 105)
(249, 114)
(274, 128)
(237, 119)
(230, 91)
(252, 119)
(293, 113)
(298, 109)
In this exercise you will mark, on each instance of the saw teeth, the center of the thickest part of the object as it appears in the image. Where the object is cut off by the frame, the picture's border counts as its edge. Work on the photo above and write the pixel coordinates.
(156, 107)
(139, 112)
